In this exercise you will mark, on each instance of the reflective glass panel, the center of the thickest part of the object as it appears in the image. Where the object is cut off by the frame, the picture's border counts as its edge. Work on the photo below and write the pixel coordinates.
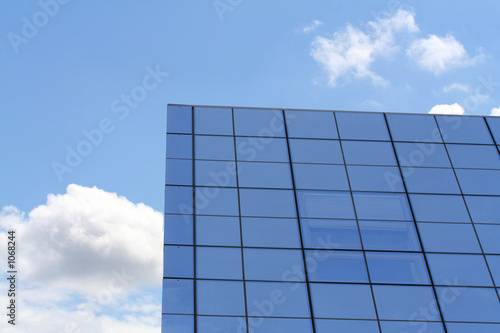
(178, 296)
(216, 201)
(325, 204)
(220, 297)
(411, 327)
(414, 127)
(261, 149)
(449, 237)
(311, 124)
(484, 209)
(179, 172)
(387, 267)
(483, 182)
(420, 154)
(346, 326)
(494, 124)
(474, 156)
(336, 266)
(395, 236)
(472, 327)
(178, 200)
(375, 178)
(218, 263)
(368, 153)
(215, 173)
(273, 264)
(259, 122)
(178, 229)
(264, 175)
(330, 234)
(430, 180)
(179, 119)
(439, 208)
(280, 325)
(316, 151)
(209, 120)
(214, 147)
(177, 323)
(218, 230)
(270, 232)
(179, 146)
(178, 261)
(382, 206)
(362, 126)
(320, 176)
(403, 302)
(459, 269)
(456, 129)
(494, 265)
(489, 236)
(273, 203)
(209, 324)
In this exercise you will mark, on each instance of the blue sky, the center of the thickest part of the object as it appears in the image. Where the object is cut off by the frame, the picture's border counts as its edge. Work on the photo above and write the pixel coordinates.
(69, 69)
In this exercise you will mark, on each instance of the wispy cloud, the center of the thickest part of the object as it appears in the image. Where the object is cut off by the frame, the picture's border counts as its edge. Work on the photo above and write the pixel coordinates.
(447, 109)
(456, 87)
(495, 112)
(312, 26)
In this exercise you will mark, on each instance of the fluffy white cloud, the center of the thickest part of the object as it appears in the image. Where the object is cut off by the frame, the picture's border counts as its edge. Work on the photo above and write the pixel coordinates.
(351, 52)
(456, 87)
(312, 26)
(495, 112)
(440, 54)
(447, 109)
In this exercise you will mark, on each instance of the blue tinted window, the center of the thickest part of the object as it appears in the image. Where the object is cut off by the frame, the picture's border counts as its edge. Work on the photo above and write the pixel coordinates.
(494, 265)
(179, 146)
(275, 203)
(489, 236)
(484, 209)
(479, 181)
(458, 304)
(272, 264)
(218, 263)
(218, 230)
(362, 126)
(217, 121)
(463, 129)
(449, 237)
(419, 128)
(411, 327)
(382, 206)
(259, 122)
(346, 326)
(220, 297)
(178, 261)
(177, 323)
(430, 180)
(325, 204)
(494, 124)
(179, 119)
(280, 325)
(461, 269)
(439, 208)
(330, 234)
(262, 149)
(270, 232)
(214, 148)
(316, 151)
(178, 200)
(216, 201)
(404, 302)
(472, 327)
(179, 172)
(277, 299)
(369, 153)
(336, 266)
(420, 154)
(215, 173)
(342, 301)
(474, 156)
(375, 178)
(311, 124)
(209, 324)
(178, 229)
(266, 175)
(395, 236)
(178, 296)
(319, 176)
(387, 267)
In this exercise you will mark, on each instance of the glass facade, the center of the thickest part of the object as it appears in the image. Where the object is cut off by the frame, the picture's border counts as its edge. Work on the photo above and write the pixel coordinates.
(319, 221)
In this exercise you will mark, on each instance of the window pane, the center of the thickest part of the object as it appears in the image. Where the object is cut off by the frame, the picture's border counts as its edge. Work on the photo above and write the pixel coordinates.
(262, 149)
(395, 236)
(449, 237)
(311, 124)
(179, 119)
(218, 263)
(346, 326)
(271, 203)
(439, 208)
(342, 301)
(375, 178)
(321, 177)
(215, 173)
(464, 129)
(277, 299)
(177, 296)
(271, 264)
(472, 327)
(430, 180)
(178, 261)
(459, 269)
(421, 154)
(214, 148)
(484, 209)
(178, 229)
(218, 230)
(494, 265)
(474, 156)
(458, 307)
(259, 122)
(178, 200)
(221, 324)
(403, 302)
(362, 126)
(316, 151)
(216, 201)
(213, 121)
(220, 297)
(280, 325)
(330, 234)
(419, 128)
(325, 204)
(489, 236)
(407, 268)
(368, 153)
(336, 266)
(179, 172)
(486, 182)
(494, 124)
(411, 327)
(179, 146)
(177, 323)
(382, 206)
(270, 232)
(266, 175)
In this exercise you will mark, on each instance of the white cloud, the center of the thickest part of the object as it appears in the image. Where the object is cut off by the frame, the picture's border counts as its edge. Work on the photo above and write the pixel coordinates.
(312, 26)
(447, 109)
(456, 87)
(440, 54)
(351, 52)
(495, 112)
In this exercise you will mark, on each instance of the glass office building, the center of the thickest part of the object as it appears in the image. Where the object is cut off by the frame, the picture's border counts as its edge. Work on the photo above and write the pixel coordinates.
(300, 221)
